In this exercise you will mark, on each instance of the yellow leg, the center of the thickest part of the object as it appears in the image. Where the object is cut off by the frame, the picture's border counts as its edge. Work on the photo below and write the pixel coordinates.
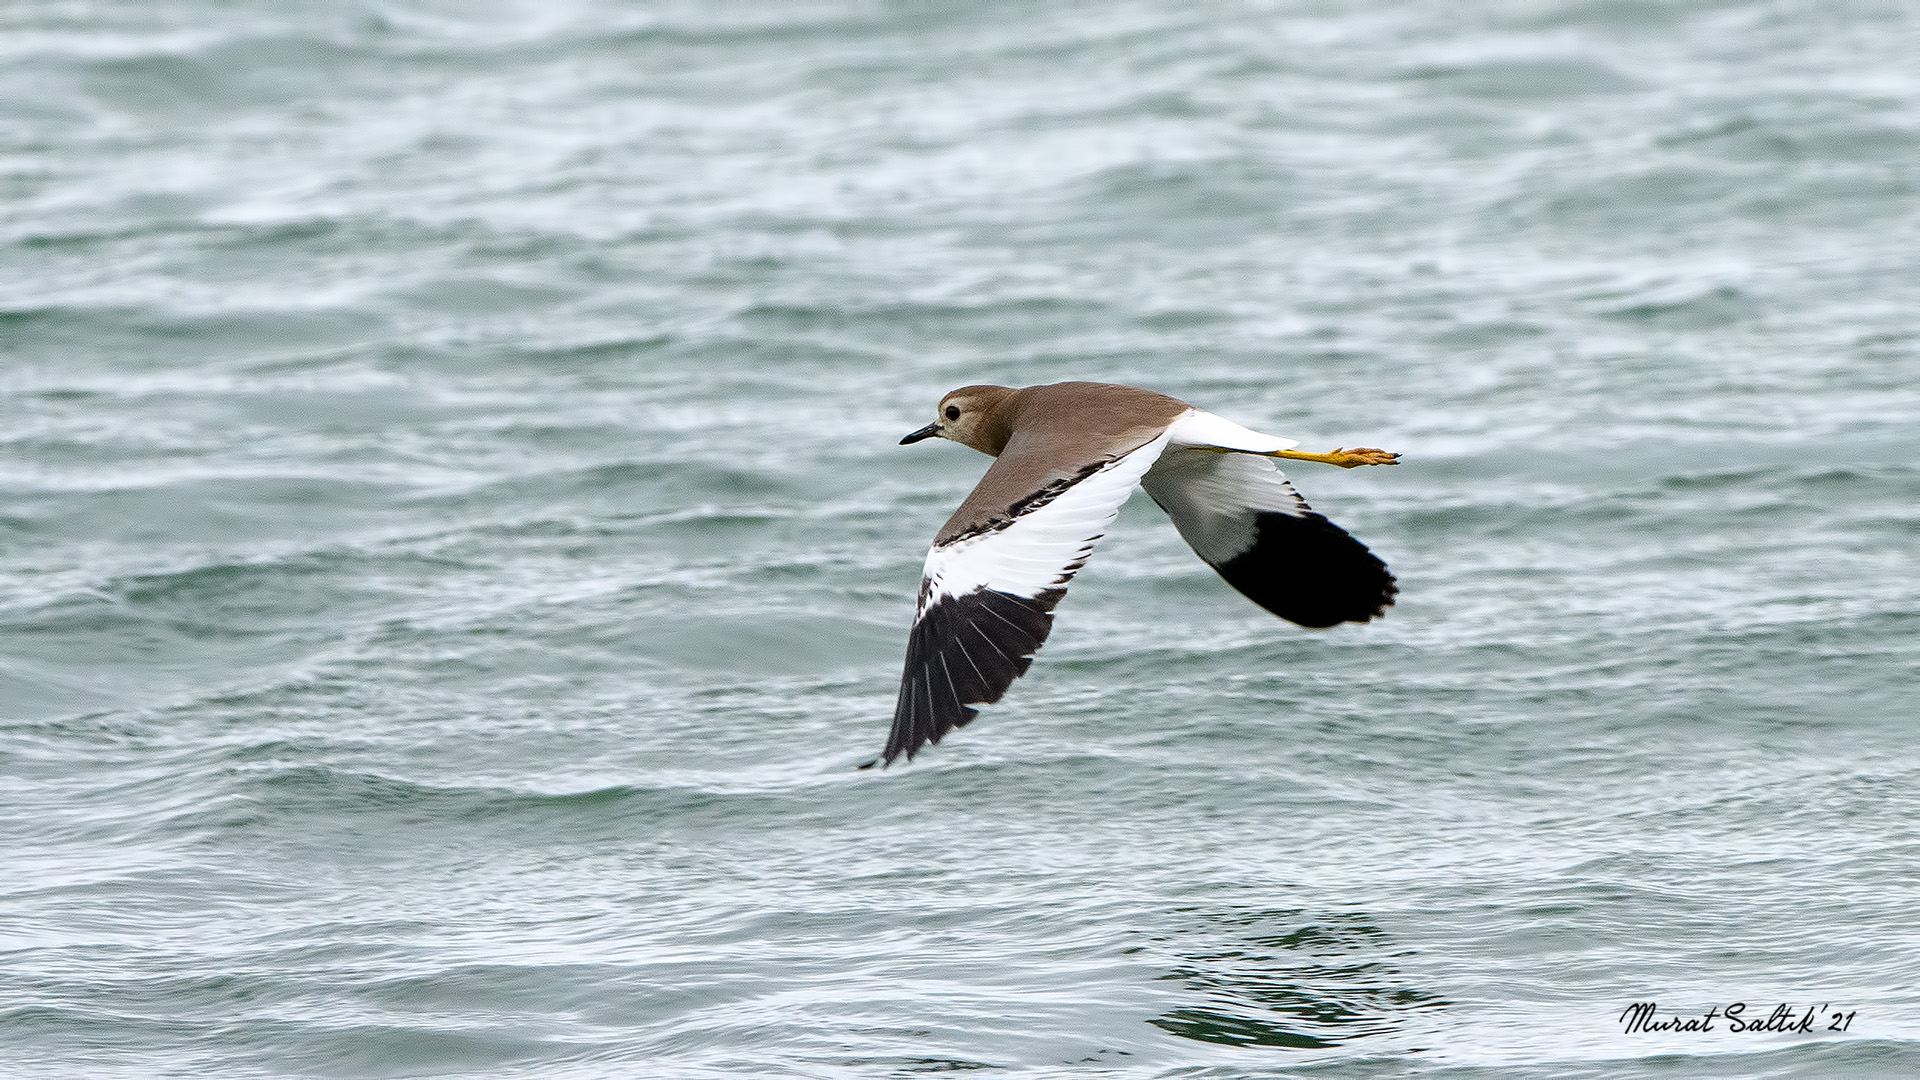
(1346, 459)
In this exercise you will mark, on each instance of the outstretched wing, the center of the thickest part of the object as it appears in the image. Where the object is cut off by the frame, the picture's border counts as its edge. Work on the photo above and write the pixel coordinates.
(1240, 515)
(988, 594)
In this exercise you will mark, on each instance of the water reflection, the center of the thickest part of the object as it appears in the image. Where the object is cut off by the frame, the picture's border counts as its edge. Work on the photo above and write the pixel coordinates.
(1286, 978)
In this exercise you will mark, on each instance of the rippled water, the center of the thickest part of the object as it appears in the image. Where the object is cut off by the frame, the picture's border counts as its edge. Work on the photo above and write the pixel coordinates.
(454, 546)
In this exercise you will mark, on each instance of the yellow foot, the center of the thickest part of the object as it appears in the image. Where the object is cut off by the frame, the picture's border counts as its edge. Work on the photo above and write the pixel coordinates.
(1346, 459)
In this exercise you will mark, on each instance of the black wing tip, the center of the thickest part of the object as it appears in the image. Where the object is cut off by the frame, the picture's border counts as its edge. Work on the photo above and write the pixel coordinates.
(1309, 571)
(906, 744)
(1368, 607)
(964, 651)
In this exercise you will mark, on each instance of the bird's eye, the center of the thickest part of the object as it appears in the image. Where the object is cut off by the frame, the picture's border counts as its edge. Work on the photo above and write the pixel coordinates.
(953, 412)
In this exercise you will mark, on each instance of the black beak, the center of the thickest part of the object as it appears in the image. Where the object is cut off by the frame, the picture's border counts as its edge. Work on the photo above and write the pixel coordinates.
(927, 432)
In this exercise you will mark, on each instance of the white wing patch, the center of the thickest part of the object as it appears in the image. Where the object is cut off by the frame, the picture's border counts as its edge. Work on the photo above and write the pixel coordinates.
(1042, 548)
(1197, 427)
(1214, 499)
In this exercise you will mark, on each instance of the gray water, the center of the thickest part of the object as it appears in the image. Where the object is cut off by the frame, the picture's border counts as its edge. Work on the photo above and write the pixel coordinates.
(454, 548)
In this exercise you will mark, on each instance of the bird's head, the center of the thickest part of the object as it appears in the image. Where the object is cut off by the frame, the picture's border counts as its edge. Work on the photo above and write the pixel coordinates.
(976, 416)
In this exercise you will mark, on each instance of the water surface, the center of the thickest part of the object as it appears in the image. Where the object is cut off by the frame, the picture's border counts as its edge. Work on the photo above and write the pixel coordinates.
(454, 547)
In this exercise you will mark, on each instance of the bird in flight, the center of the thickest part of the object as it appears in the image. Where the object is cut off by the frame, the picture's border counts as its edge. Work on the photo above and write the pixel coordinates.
(1067, 455)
